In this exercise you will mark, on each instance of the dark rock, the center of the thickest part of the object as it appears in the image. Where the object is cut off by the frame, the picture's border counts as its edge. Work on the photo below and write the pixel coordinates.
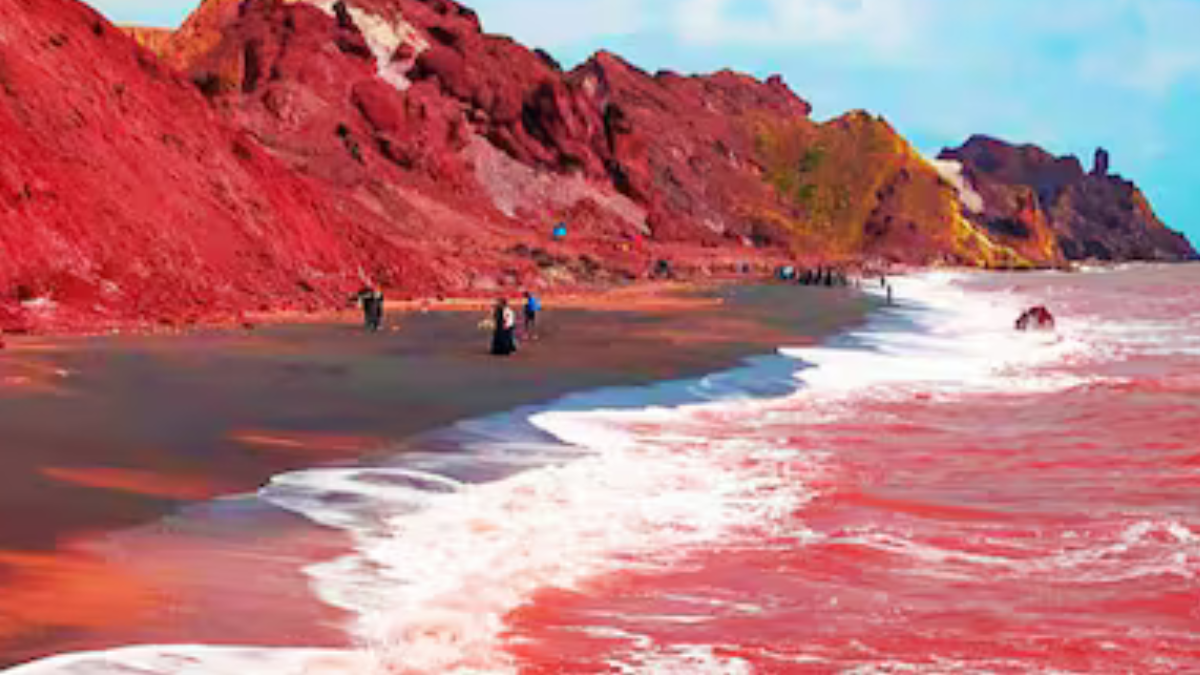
(1036, 319)
(1101, 163)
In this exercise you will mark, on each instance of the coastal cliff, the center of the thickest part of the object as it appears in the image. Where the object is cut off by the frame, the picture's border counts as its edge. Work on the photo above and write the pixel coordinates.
(1033, 197)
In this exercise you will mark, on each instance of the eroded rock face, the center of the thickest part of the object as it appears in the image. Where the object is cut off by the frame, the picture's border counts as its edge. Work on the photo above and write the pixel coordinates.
(721, 161)
(123, 194)
(1029, 193)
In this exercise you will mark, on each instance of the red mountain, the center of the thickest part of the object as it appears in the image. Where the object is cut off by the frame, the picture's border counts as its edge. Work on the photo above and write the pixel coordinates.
(717, 161)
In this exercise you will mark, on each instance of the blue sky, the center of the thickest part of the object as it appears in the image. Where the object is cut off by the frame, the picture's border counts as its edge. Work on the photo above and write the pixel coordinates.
(1069, 75)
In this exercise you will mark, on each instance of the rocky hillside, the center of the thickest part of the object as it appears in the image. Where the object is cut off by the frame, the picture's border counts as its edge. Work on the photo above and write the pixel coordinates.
(275, 154)
(719, 161)
(1092, 215)
(125, 194)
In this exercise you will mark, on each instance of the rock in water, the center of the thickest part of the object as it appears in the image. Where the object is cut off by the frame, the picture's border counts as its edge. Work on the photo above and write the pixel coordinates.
(1037, 318)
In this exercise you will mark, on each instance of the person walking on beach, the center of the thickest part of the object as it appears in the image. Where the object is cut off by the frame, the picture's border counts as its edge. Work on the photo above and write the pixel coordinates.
(504, 335)
(533, 307)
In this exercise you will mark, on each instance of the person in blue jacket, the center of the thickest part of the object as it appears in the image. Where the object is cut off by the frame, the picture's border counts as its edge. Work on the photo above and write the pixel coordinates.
(533, 307)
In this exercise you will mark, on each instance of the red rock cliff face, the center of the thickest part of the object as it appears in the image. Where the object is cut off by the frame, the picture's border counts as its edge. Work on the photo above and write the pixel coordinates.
(722, 161)
(1092, 215)
(124, 195)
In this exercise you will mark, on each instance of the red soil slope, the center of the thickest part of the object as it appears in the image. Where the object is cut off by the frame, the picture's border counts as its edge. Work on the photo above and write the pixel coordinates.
(124, 195)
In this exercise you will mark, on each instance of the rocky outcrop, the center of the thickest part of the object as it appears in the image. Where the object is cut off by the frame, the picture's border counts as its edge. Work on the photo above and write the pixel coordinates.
(1101, 163)
(1034, 200)
(1036, 319)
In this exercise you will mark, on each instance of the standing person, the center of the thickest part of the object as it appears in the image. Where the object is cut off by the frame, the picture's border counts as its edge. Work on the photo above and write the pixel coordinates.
(377, 309)
(372, 301)
(504, 337)
(533, 307)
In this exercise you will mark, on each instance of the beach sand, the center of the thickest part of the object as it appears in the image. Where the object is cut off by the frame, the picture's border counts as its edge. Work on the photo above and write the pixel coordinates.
(105, 434)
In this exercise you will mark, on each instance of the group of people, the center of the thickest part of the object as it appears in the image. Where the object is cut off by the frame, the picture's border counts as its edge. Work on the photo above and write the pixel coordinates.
(504, 318)
(821, 276)
(504, 322)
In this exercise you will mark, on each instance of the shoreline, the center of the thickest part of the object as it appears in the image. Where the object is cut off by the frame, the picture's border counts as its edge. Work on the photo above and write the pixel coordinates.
(45, 371)
(649, 295)
(166, 421)
(49, 325)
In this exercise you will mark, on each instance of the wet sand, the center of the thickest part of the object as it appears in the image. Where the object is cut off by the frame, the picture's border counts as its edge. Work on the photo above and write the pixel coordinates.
(105, 434)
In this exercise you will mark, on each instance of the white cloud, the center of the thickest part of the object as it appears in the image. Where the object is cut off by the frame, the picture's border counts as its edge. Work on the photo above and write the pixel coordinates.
(1149, 46)
(559, 23)
(1151, 69)
(884, 24)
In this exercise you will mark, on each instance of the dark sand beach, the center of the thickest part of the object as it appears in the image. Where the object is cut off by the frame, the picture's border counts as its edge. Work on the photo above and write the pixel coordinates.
(108, 435)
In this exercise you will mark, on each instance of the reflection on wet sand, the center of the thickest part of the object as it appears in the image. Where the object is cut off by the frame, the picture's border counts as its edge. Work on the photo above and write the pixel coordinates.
(145, 483)
(66, 592)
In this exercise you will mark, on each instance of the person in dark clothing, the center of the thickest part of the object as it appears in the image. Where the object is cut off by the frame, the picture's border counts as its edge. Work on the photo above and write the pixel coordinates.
(533, 307)
(504, 336)
(372, 301)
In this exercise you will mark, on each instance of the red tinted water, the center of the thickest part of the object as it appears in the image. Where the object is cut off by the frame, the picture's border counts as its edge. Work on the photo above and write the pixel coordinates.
(1041, 531)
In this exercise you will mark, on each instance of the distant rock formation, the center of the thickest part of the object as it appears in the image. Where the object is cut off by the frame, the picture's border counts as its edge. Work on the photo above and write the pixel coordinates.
(1047, 207)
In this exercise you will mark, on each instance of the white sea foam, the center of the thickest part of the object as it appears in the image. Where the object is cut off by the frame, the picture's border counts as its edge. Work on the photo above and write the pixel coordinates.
(944, 339)
(198, 660)
(681, 660)
(433, 583)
